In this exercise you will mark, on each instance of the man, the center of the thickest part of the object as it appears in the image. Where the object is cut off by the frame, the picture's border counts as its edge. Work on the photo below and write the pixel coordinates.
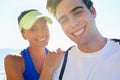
(94, 57)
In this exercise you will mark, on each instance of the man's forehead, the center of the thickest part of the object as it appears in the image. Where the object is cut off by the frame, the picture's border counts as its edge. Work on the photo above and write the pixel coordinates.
(60, 16)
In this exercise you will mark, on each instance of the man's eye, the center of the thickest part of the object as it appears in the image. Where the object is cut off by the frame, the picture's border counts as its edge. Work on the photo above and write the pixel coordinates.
(78, 13)
(63, 20)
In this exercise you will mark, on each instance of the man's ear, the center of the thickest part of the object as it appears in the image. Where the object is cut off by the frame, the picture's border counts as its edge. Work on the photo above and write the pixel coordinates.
(93, 11)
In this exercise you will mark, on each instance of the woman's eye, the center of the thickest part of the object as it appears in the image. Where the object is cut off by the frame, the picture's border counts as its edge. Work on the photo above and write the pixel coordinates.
(32, 29)
(45, 26)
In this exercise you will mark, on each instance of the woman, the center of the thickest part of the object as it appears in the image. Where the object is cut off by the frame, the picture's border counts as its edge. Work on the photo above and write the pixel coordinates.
(28, 64)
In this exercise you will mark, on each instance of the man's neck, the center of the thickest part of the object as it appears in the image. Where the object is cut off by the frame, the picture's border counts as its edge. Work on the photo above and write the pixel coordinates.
(93, 46)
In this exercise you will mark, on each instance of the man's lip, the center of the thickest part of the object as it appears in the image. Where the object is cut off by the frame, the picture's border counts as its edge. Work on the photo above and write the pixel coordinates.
(79, 32)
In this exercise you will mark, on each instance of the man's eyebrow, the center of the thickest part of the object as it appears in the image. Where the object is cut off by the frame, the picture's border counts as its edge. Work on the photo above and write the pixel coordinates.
(76, 8)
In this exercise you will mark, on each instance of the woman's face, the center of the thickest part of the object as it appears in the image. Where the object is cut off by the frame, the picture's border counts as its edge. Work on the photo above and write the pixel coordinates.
(38, 34)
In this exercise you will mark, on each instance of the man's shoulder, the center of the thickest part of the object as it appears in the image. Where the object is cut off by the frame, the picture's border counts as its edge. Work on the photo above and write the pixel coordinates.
(116, 40)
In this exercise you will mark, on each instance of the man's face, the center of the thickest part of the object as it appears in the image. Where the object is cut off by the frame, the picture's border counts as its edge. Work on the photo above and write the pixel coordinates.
(77, 20)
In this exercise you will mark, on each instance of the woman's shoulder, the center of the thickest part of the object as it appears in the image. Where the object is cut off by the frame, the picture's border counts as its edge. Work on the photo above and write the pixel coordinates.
(13, 57)
(14, 66)
(14, 60)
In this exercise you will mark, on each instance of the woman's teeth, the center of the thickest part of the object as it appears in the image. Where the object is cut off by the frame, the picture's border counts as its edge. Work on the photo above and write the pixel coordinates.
(42, 39)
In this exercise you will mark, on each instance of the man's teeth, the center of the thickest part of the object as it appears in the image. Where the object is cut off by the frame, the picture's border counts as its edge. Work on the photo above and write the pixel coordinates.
(79, 32)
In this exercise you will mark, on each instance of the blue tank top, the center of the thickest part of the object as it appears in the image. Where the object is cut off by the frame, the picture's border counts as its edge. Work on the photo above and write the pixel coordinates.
(30, 72)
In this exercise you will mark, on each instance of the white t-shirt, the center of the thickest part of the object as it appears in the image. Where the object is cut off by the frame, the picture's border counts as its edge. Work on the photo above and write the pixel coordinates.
(101, 65)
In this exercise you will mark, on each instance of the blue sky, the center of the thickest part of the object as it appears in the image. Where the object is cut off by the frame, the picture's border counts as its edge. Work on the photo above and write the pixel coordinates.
(108, 15)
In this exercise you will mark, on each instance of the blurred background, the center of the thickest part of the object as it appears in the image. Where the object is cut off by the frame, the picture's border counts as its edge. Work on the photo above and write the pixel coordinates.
(11, 41)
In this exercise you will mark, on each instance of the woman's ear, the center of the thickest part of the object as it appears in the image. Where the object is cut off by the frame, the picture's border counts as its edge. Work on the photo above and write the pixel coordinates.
(23, 35)
(93, 11)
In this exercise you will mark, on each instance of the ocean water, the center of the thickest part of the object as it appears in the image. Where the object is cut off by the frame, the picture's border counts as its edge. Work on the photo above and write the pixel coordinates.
(3, 53)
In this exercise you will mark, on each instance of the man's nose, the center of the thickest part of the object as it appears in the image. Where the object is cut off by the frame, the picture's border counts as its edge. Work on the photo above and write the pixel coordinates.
(74, 22)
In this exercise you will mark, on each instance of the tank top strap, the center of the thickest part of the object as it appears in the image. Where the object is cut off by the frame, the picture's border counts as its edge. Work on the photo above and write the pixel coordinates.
(30, 72)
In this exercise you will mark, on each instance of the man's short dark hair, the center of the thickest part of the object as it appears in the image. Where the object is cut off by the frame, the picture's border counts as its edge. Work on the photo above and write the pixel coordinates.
(52, 4)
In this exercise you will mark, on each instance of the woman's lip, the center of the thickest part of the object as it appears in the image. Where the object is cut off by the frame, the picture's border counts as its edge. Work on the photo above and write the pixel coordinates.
(43, 39)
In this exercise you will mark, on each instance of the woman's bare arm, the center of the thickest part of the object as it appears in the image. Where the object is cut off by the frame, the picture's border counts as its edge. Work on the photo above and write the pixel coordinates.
(52, 61)
(13, 67)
